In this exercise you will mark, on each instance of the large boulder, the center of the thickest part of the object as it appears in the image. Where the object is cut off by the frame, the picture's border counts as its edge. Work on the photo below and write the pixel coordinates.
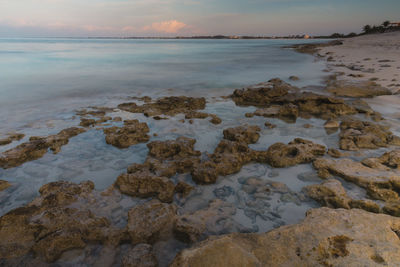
(327, 237)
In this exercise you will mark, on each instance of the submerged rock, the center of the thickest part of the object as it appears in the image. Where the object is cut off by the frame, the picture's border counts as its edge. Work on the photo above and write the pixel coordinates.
(4, 185)
(37, 147)
(215, 219)
(356, 134)
(140, 256)
(150, 222)
(326, 237)
(132, 133)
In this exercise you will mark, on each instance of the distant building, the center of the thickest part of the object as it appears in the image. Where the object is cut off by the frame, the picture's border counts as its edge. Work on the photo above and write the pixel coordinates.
(307, 36)
(394, 24)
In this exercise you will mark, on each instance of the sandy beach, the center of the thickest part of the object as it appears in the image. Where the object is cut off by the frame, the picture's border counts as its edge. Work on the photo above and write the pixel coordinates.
(374, 57)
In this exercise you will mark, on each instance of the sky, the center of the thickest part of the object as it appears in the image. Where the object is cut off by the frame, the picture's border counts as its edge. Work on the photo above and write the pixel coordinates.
(123, 18)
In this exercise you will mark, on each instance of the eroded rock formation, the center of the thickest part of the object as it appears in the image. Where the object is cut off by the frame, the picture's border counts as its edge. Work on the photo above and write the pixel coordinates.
(132, 133)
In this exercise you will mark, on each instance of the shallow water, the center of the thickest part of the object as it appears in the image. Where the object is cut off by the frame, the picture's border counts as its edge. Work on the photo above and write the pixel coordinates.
(45, 80)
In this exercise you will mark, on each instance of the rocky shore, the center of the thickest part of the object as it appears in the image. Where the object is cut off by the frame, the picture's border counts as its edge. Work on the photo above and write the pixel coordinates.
(152, 216)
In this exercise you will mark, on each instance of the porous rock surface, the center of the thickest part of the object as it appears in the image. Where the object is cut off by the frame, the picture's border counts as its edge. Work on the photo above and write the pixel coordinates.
(326, 237)
(356, 134)
(132, 133)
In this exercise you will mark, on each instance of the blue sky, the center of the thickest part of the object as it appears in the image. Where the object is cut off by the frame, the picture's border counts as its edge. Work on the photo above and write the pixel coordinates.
(190, 17)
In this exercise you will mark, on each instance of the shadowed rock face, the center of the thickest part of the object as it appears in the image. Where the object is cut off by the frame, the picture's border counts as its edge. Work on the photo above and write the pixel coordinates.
(132, 133)
(326, 237)
(281, 100)
(166, 106)
(357, 134)
(37, 147)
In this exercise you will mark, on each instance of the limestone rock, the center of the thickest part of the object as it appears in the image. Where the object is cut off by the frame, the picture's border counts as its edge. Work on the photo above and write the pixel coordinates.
(4, 185)
(327, 237)
(356, 89)
(298, 151)
(246, 134)
(132, 133)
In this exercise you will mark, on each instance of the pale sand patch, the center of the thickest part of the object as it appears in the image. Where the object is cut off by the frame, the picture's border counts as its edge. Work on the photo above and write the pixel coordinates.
(370, 56)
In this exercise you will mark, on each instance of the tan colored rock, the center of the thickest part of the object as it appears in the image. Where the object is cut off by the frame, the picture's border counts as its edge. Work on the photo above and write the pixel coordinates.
(357, 173)
(357, 134)
(132, 133)
(298, 151)
(327, 237)
(356, 89)
(142, 184)
(246, 134)
(336, 153)
(330, 193)
(11, 138)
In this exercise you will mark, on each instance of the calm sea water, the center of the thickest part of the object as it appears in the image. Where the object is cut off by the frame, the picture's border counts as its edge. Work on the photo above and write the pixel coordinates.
(41, 78)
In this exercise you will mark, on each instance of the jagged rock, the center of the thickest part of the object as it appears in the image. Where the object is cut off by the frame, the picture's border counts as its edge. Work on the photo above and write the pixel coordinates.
(37, 147)
(183, 189)
(164, 160)
(283, 101)
(214, 219)
(294, 78)
(166, 106)
(87, 122)
(150, 222)
(356, 89)
(246, 134)
(140, 256)
(262, 94)
(357, 134)
(49, 225)
(298, 151)
(4, 185)
(332, 124)
(142, 184)
(132, 133)
(313, 47)
(228, 158)
(326, 237)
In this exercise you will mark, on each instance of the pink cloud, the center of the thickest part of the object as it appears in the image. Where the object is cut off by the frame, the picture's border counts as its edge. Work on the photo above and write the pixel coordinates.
(171, 26)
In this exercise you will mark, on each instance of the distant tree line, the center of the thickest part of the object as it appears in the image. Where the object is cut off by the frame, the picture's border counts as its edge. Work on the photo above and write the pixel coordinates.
(384, 27)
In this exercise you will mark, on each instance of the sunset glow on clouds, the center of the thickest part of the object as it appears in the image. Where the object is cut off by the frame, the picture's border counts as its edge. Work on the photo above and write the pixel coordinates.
(172, 26)
(189, 17)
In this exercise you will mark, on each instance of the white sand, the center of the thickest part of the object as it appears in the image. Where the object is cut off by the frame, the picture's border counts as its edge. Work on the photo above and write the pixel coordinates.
(367, 56)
